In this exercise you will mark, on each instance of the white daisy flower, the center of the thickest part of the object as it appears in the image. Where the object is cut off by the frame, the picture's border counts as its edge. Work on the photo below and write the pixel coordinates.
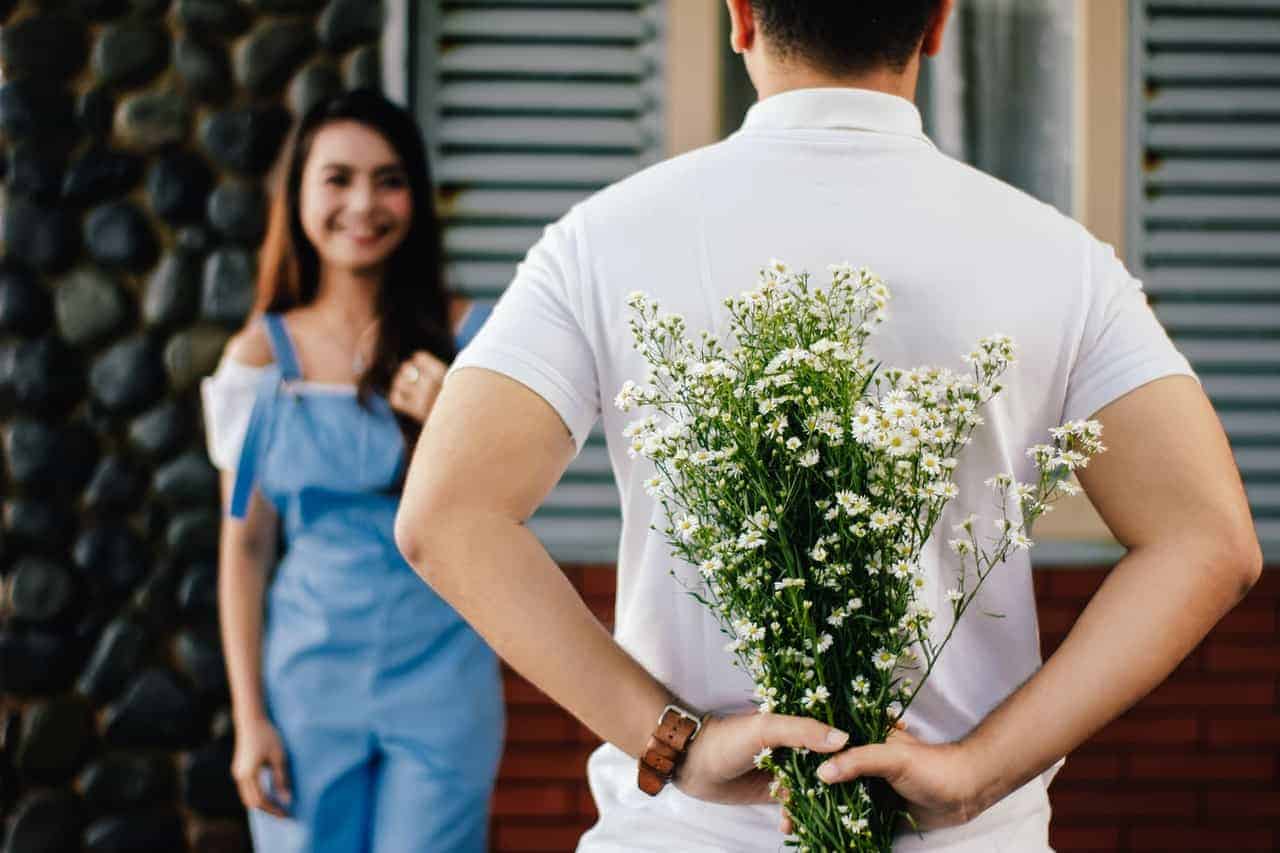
(815, 696)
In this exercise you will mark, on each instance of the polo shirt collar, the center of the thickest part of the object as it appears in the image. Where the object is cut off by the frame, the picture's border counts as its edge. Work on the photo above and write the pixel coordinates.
(836, 109)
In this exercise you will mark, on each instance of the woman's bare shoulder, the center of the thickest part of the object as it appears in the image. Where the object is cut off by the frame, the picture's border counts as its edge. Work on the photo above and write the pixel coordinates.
(459, 307)
(250, 346)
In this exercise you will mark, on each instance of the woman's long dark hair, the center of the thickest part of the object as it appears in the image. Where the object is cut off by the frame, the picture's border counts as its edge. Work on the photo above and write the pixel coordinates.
(413, 303)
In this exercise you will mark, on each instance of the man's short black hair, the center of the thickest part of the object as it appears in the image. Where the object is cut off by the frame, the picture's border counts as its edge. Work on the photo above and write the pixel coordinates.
(845, 36)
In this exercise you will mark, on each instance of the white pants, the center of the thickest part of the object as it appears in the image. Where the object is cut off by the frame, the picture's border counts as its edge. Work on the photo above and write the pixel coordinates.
(1017, 824)
(672, 822)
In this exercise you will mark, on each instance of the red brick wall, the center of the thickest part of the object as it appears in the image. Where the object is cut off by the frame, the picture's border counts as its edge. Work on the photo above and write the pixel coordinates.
(542, 802)
(1196, 766)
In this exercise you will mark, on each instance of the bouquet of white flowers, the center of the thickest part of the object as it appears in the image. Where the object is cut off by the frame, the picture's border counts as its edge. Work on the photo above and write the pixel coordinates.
(803, 479)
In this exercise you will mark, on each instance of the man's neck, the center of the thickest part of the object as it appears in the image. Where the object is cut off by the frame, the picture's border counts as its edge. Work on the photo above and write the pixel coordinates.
(781, 79)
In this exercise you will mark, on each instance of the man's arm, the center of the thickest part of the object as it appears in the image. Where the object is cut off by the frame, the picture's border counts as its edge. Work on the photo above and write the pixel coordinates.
(489, 455)
(1168, 488)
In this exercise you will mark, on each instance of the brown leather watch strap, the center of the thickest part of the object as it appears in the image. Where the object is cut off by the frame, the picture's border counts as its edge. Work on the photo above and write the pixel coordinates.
(676, 729)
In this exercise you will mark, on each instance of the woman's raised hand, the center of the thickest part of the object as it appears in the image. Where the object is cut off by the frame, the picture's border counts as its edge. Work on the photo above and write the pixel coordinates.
(258, 747)
(416, 385)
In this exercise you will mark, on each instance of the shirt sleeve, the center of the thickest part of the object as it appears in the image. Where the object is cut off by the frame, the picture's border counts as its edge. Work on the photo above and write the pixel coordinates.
(537, 335)
(1123, 345)
(227, 399)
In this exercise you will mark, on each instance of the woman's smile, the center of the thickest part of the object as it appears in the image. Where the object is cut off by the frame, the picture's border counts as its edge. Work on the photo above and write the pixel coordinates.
(362, 235)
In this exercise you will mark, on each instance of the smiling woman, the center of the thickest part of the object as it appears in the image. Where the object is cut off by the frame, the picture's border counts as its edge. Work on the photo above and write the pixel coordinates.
(310, 416)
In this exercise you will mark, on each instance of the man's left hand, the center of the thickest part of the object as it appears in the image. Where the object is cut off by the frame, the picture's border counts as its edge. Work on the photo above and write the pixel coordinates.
(938, 781)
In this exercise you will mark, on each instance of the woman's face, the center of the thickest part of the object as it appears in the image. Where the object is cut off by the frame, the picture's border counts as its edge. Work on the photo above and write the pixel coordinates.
(354, 202)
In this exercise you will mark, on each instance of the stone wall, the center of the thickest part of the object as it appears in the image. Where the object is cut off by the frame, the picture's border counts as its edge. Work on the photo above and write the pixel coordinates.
(136, 137)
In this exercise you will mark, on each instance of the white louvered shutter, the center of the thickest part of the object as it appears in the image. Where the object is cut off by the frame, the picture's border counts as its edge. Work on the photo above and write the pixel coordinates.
(1205, 212)
(528, 107)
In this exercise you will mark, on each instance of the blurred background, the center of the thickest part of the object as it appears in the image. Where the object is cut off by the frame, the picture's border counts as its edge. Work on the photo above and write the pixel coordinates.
(135, 138)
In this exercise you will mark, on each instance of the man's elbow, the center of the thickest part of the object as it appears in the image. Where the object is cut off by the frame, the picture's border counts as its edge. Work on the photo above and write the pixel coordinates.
(1250, 562)
(415, 539)
(1239, 558)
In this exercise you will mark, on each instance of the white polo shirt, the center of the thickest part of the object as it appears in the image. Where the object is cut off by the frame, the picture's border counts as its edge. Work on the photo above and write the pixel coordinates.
(816, 177)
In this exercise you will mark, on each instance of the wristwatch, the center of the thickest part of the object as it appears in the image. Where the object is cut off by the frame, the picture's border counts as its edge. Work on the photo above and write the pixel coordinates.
(676, 729)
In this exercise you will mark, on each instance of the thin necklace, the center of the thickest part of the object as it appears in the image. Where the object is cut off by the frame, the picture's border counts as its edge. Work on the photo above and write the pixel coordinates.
(358, 361)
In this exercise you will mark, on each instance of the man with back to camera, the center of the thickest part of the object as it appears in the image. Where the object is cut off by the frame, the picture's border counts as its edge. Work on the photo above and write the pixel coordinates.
(830, 165)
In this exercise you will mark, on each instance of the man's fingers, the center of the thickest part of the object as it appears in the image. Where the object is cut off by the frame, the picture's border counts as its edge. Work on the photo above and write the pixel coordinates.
(782, 795)
(881, 759)
(798, 733)
(901, 734)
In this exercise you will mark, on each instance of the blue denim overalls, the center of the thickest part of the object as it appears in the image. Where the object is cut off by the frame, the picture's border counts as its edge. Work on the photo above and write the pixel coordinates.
(389, 705)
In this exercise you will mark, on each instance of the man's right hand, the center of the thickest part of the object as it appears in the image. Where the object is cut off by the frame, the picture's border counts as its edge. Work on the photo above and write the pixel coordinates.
(719, 765)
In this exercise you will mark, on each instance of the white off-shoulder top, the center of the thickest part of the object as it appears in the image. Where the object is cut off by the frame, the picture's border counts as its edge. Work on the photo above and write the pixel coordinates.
(227, 398)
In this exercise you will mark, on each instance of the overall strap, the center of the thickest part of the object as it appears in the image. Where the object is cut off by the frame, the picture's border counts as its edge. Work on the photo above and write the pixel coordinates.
(250, 452)
(247, 468)
(282, 347)
(476, 315)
